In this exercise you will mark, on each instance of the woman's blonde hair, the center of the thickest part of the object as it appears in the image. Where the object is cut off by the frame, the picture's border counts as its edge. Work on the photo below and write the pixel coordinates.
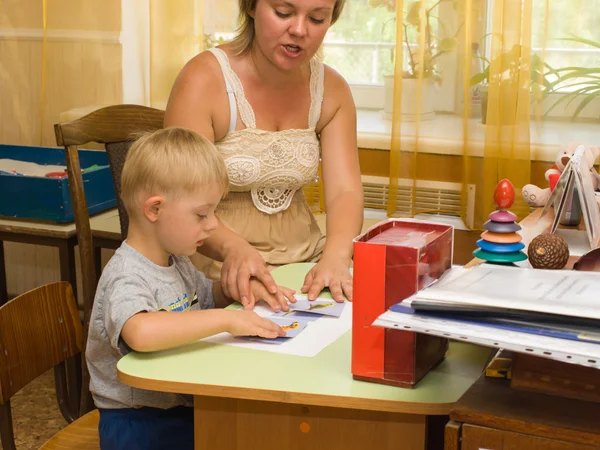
(244, 38)
(171, 161)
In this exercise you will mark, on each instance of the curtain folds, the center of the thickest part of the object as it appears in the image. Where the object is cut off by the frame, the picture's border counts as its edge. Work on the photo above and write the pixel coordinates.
(501, 60)
(60, 59)
(176, 35)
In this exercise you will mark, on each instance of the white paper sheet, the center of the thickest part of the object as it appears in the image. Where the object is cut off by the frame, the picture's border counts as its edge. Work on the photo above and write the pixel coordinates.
(29, 169)
(315, 337)
(563, 292)
(574, 352)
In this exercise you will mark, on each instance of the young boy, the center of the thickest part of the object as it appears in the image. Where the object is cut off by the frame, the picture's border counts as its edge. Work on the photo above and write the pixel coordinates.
(150, 297)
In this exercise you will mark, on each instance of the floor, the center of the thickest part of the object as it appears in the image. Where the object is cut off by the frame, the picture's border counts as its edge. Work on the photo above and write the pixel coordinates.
(36, 417)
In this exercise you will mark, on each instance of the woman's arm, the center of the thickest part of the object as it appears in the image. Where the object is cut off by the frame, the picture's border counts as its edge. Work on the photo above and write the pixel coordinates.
(343, 190)
(199, 102)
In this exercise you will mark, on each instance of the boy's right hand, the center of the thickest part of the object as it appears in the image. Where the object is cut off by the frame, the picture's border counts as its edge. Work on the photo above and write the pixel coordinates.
(248, 323)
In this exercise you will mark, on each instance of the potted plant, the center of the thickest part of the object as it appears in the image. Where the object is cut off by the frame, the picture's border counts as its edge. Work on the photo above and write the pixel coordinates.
(510, 66)
(581, 82)
(424, 68)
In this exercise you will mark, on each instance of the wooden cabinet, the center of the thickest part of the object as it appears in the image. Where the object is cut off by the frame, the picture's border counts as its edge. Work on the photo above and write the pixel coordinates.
(493, 416)
(476, 438)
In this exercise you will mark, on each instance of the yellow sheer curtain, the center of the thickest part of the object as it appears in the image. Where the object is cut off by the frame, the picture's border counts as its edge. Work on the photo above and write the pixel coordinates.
(444, 31)
(507, 137)
(61, 59)
(176, 35)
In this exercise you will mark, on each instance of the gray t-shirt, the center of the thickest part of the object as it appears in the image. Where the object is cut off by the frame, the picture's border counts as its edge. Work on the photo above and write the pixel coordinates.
(131, 283)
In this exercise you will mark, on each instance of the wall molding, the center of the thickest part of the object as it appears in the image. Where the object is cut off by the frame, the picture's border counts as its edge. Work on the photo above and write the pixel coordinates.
(37, 34)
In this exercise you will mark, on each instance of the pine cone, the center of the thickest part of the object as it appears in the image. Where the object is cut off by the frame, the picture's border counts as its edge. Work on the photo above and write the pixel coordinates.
(548, 251)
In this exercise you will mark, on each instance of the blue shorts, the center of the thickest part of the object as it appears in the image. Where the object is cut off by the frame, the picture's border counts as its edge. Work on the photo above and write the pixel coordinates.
(147, 429)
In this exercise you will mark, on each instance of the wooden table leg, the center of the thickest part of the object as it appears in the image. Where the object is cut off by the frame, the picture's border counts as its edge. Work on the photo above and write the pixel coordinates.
(3, 284)
(6, 427)
(231, 424)
(68, 272)
(66, 256)
(98, 262)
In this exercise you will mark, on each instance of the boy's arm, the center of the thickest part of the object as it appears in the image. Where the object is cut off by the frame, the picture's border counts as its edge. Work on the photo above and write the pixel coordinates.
(153, 331)
(131, 318)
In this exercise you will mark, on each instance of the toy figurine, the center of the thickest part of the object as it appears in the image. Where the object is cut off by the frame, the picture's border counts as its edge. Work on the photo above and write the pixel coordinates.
(536, 196)
(501, 243)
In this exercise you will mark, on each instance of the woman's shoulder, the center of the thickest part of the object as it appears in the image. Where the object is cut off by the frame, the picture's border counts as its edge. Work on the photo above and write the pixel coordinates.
(336, 94)
(201, 70)
(198, 99)
(334, 82)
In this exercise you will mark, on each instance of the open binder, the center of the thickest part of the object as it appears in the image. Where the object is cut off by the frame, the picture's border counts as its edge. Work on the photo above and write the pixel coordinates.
(576, 180)
(553, 314)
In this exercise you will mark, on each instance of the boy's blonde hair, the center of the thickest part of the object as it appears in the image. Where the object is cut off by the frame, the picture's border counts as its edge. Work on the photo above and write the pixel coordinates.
(170, 162)
(242, 42)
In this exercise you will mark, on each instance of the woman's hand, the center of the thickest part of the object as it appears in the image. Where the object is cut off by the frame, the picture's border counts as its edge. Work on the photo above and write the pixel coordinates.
(276, 302)
(240, 263)
(330, 272)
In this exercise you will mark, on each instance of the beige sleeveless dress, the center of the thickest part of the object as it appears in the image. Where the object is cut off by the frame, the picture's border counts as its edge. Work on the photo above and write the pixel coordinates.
(267, 170)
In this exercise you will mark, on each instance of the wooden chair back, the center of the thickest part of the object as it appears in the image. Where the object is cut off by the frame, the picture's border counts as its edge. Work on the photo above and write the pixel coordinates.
(39, 330)
(116, 127)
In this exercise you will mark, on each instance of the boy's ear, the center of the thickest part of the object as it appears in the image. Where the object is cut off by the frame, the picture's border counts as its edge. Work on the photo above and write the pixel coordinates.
(152, 207)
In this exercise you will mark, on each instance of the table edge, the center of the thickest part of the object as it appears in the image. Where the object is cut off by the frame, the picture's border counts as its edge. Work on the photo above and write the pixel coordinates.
(38, 232)
(392, 406)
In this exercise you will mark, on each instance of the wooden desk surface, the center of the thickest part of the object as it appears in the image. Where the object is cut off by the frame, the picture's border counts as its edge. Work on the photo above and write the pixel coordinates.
(56, 230)
(534, 224)
(324, 380)
(107, 225)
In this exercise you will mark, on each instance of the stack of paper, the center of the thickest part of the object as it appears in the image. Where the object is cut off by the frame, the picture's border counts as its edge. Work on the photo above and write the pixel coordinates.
(553, 314)
(310, 327)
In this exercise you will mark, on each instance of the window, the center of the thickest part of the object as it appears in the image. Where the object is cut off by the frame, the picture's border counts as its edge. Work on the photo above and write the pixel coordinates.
(567, 18)
(361, 46)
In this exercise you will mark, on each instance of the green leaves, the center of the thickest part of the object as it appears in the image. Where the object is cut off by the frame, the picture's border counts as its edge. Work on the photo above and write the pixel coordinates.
(413, 14)
(448, 44)
(480, 77)
(582, 82)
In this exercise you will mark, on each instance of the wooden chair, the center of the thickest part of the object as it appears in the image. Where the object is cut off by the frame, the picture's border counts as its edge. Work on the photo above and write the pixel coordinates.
(39, 330)
(116, 127)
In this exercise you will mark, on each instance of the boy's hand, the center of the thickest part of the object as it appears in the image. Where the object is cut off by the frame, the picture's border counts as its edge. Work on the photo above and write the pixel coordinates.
(277, 301)
(248, 323)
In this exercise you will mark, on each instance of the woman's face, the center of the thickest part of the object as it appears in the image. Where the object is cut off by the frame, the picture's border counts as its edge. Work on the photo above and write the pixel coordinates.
(289, 32)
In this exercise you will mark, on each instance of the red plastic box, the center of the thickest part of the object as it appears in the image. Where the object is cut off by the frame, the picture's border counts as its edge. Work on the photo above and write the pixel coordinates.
(392, 260)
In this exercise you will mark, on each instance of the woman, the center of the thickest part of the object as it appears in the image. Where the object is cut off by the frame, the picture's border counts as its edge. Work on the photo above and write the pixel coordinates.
(272, 109)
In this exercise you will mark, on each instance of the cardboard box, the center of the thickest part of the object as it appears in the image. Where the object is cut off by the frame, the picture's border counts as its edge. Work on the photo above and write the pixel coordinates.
(45, 198)
(392, 260)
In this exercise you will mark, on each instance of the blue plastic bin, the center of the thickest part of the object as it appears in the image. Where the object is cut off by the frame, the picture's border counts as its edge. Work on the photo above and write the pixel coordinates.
(43, 198)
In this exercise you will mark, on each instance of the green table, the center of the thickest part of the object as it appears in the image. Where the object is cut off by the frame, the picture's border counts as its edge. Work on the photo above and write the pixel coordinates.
(251, 399)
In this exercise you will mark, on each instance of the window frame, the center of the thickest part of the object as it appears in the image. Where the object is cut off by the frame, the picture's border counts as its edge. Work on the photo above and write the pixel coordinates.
(591, 111)
(371, 96)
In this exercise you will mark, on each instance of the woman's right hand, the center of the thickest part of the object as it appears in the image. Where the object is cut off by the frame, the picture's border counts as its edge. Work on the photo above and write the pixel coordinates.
(248, 323)
(242, 262)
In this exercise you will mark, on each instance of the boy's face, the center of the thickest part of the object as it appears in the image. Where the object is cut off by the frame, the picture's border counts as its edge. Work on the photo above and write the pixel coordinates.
(185, 222)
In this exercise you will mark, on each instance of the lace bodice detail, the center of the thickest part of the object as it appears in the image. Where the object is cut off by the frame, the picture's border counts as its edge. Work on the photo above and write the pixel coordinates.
(271, 165)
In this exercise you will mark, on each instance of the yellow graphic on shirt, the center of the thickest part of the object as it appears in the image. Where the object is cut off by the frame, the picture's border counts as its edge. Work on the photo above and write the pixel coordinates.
(182, 304)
